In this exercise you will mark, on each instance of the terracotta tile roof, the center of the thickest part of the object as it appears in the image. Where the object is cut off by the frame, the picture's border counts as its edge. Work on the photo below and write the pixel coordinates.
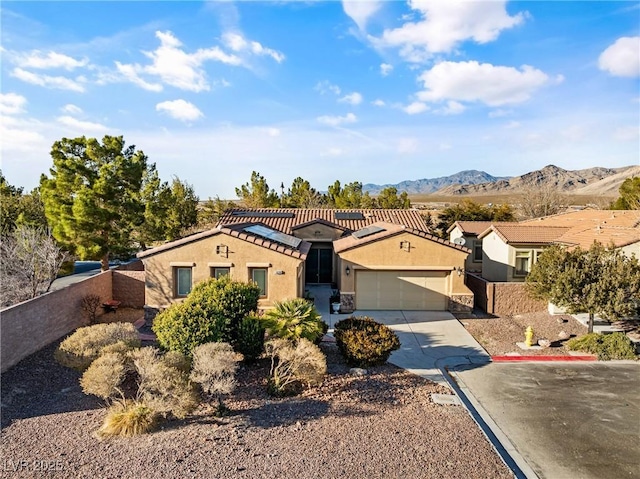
(236, 231)
(586, 226)
(475, 227)
(297, 217)
(389, 229)
(520, 234)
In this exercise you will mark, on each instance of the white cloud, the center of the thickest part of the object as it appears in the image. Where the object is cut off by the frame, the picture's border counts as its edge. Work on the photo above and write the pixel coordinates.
(499, 113)
(452, 108)
(407, 145)
(445, 24)
(47, 81)
(486, 83)
(415, 108)
(512, 125)
(337, 120)
(273, 132)
(622, 58)
(325, 86)
(354, 98)
(360, 11)
(12, 103)
(335, 151)
(627, 133)
(130, 73)
(71, 109)
(180, 110)
(238, 43)
(39, 60)
(378, 102)
(176, 67)
(385, 69)
(79, 124)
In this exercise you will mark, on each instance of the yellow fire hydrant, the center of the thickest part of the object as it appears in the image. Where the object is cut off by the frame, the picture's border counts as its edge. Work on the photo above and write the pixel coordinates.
(528, 337)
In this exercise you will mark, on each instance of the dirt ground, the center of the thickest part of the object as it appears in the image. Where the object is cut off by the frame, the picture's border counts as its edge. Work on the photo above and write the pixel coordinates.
(381, 425)
(500, 335)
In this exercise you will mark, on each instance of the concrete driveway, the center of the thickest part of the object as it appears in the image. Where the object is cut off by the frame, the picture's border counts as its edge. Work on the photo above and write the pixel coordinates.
(566, 420)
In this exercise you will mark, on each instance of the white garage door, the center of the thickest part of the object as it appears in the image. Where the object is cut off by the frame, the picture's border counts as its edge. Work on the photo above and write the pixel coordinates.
(410, 290)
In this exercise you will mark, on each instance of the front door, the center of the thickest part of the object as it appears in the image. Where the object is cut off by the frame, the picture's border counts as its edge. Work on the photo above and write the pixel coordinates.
(319, 266)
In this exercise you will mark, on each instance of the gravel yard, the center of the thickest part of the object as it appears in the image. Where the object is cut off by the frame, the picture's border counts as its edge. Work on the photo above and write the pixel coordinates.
(499, 335)
(382, 425)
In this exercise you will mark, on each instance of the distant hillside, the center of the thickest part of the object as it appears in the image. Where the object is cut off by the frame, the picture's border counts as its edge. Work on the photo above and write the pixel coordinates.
(431, 185)
(565, 181)
(609, 186)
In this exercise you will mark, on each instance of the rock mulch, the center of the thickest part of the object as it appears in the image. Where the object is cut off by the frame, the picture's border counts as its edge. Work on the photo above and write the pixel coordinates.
(381, 425)
(500, 335)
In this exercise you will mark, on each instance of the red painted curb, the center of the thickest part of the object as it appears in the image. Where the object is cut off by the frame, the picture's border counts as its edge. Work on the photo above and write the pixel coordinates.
(499, 359)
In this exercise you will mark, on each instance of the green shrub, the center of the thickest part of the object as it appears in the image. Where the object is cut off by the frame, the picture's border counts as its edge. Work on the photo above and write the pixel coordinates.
(250, 338)
(294, 319)
(606, 346)
(212, 312)
(364, 342)
(128, 418)
(86, 344)
(294, 366)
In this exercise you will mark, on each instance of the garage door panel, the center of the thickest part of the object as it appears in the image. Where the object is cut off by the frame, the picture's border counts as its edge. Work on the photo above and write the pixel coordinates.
(417, 290)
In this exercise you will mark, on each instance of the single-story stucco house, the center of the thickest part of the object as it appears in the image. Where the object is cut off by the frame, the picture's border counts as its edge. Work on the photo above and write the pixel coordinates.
(378, 259)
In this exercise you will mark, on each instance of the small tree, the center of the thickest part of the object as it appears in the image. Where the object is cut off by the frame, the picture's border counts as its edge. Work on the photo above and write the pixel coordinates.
(256, 193)
(538, 201)
(389, 199)
(599, 281)
(29, 263)
(469, 210)
(629, 195)
(90, 304)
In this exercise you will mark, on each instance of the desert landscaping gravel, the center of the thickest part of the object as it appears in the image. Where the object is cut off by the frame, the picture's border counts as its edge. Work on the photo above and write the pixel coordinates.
(381, 425)
(499, 335)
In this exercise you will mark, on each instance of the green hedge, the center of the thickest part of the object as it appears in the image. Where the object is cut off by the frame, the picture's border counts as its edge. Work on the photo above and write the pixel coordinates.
(364, 342)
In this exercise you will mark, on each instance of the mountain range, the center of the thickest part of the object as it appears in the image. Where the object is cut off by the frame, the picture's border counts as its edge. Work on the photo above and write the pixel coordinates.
(590, 181)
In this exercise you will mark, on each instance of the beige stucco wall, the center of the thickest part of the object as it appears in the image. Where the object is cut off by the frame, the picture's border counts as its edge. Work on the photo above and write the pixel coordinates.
(632, 249)
(424, 254)
(318, 232)
(495, 258)
(285, 273)
(469, 264)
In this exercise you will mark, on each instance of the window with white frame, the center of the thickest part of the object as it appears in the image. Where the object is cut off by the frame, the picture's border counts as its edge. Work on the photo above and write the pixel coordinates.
(183, 282)
(524, 260)
(259, 276)
(477, 251)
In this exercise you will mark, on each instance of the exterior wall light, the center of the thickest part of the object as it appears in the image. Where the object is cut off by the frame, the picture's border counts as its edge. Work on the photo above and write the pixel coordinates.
(405, 245)
(347, 270)
(459, 270)
(222, 250)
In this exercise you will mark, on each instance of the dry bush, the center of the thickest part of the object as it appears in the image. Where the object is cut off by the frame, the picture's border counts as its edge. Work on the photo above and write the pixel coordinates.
(90, 304)
(294, 366)
(86, 344)
(177, 360)
(214, 368)
(163, 387)
(128, 418)
(105, 375)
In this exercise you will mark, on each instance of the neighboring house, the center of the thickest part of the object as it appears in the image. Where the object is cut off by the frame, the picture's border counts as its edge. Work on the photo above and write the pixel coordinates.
(509, 250)
(466, 233)
(379, 259)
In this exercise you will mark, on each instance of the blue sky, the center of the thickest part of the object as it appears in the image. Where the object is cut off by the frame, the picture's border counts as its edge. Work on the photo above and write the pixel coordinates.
(377, 92)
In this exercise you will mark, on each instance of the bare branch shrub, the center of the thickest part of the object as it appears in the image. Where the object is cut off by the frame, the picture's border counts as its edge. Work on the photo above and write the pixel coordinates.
(214, 368)
(29, 263)
(539, 201)
(294, 366)
(86, 344)
(90, 304)
(163, 387)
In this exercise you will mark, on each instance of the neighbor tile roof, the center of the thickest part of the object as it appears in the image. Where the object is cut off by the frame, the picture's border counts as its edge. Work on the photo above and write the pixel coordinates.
(409, 218)
(518, 234)
(586, 226)
(474, 227)
(389, 229)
